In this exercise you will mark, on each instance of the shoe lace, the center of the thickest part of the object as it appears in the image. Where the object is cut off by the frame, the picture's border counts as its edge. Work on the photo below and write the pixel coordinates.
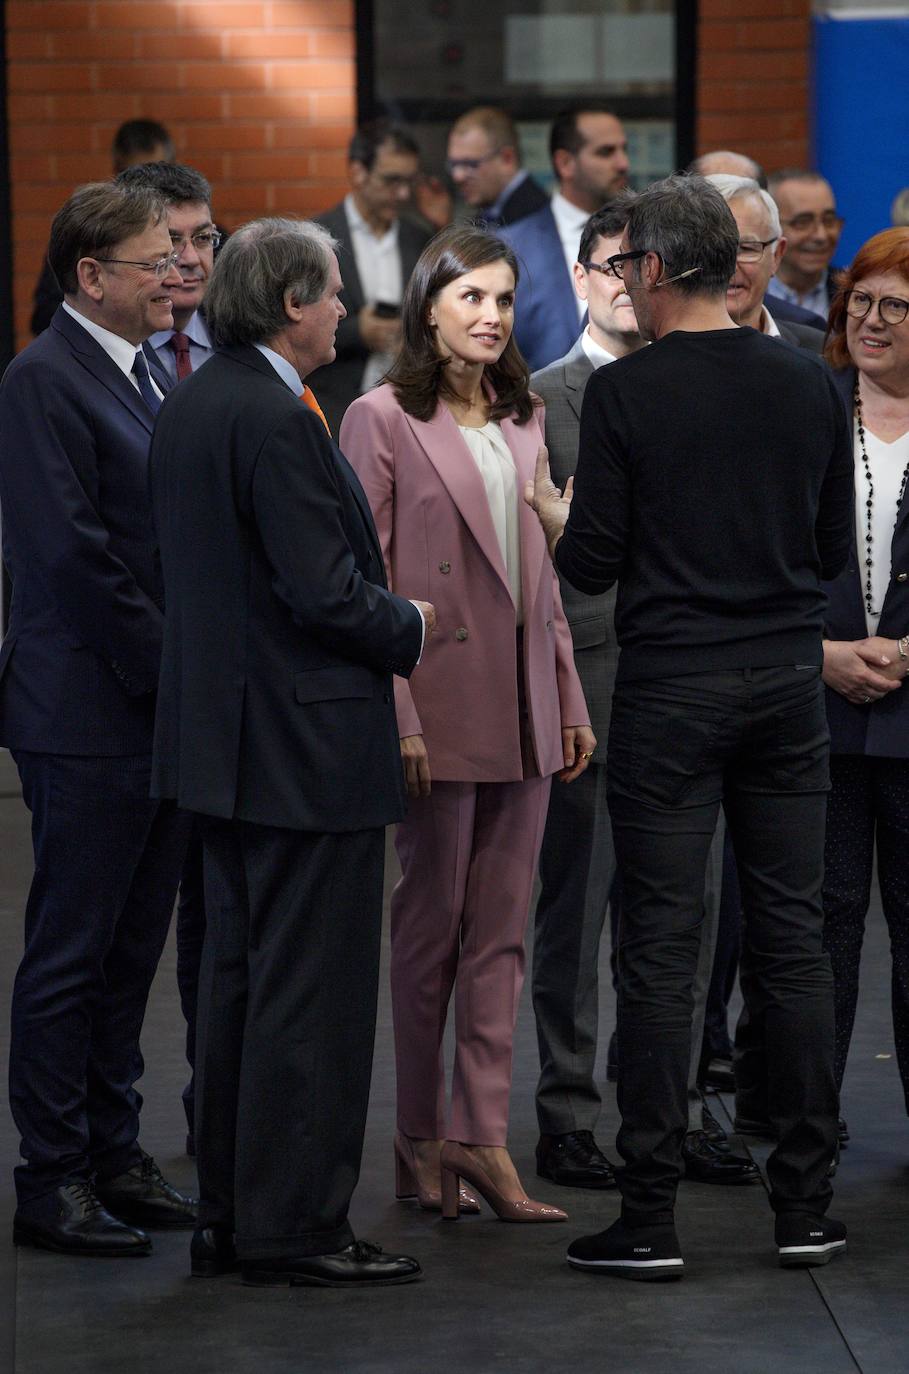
(150, 1171)
(84, 1195)
(364, 1250)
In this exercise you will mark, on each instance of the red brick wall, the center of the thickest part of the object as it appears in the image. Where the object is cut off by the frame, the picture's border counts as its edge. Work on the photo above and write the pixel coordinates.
(259, 97)
(753, 96)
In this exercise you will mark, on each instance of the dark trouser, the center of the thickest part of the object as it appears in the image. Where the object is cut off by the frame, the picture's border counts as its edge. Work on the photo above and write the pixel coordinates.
(577, 868)
(725, 964)
(190, 939)
(287, 1009)
(757, 739)
(107, 864)
(869, 799)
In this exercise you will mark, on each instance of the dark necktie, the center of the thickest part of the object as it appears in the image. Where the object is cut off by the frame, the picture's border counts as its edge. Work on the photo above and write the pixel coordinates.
(146, 390)
(179, 342)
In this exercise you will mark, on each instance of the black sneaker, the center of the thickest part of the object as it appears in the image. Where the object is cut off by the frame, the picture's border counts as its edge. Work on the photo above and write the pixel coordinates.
(648, 1253)
(804, 1239)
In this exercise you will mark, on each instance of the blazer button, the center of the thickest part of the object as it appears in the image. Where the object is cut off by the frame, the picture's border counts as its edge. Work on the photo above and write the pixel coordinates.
(460, 634)
(902, 577)
(445, 567)
(549, 624)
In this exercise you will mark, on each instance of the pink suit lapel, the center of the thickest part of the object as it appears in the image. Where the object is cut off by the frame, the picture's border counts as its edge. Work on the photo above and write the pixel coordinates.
(524, 442)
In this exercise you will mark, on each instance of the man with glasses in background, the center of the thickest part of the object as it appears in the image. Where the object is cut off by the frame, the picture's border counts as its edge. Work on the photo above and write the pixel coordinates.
(484, 162)
(812, 226)
(715, 486)
(78, 678)
(379, 247)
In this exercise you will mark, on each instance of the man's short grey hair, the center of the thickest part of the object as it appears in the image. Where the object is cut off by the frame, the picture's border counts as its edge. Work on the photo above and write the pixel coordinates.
(724, 160)
(687, 222)
(244, 303)
(732, 188)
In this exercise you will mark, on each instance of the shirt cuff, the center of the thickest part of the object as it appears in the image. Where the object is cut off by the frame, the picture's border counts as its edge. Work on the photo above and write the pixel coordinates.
(422, 631)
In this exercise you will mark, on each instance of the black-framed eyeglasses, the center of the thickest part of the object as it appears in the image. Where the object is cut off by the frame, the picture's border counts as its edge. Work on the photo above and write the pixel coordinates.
(397, 181)
(160, 267)
(469, 164)
(618, 260)
(892, 309)
(205, 240)
(752, 250)
(829, 219)
(605, 267)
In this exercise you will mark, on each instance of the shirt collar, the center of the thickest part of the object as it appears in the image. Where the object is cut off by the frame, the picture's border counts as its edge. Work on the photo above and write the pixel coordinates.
(597, 355)
(118, 349)
(196, 331)
(358, 224)
(568, 217)
(285, 370)
(768, 324)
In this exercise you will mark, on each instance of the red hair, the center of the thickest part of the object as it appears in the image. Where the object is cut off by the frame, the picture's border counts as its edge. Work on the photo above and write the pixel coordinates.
(885, 252)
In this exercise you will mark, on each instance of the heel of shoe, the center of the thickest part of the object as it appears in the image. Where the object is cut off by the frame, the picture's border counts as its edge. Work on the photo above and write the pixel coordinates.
(405, 1183)
(451, 1185)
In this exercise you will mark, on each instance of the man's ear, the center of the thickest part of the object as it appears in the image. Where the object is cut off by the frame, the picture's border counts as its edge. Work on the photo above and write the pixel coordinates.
(292, 309)
(88, 275)
(580, 281)
(563, 163)
(357, 173)
(779, 249)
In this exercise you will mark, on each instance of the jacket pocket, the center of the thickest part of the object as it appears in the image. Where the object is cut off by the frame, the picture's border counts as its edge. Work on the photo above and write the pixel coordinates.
(334, 684)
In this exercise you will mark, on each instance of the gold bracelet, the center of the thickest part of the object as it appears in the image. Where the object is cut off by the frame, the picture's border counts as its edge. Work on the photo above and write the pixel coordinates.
(902, 646)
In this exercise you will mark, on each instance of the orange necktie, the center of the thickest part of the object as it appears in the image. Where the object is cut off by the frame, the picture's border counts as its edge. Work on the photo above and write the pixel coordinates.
(308, 399)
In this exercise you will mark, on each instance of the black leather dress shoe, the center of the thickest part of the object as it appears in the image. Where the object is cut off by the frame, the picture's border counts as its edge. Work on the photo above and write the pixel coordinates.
(713, 1130)
(144, 1197)
(706, 1164)
(574, 1160)
(719, 1076)
(356, 1266)
(79, 1225)
(212, 1252)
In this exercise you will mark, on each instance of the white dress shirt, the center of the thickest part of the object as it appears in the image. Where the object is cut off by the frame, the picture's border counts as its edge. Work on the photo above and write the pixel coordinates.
(768, 324)
(379, 266)
(493, 458)
(200, 345)
(597, 355)
(118, 349)
(570, 223)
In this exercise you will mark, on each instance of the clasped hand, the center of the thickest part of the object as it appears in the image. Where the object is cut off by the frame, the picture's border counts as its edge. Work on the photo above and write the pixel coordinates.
(863, 670)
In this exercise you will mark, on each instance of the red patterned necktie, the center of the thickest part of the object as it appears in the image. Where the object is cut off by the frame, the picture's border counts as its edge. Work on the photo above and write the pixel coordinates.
(308, 399)
(179, 342)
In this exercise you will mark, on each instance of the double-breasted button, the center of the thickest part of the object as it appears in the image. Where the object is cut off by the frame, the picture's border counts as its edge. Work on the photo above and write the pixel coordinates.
(460, 633)
(549, 624)
(902, 577)
(445, 566)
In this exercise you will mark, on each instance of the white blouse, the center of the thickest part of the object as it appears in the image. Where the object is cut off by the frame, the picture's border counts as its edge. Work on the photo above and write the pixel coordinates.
(887, 463)
(493, 458)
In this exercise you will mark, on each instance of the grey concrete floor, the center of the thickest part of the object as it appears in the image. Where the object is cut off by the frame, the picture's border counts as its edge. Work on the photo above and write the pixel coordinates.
(494, 1297)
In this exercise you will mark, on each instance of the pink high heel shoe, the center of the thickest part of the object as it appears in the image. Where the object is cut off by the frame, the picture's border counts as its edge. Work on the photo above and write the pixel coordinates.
(407, 1183)
(458, 1164)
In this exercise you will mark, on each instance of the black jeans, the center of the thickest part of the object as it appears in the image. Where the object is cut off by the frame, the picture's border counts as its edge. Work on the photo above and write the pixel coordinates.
(755, 739)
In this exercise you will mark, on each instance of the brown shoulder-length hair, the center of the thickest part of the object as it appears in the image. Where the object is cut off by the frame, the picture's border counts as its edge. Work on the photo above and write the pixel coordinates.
(418, 372)
(885, 252)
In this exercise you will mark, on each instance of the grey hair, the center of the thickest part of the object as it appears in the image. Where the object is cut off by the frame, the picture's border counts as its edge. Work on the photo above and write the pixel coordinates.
(899, 210)
(731, 188)
(687, 222)
(244, 303)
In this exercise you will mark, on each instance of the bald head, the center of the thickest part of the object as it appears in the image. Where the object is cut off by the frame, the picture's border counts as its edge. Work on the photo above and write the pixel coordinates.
(734, 164)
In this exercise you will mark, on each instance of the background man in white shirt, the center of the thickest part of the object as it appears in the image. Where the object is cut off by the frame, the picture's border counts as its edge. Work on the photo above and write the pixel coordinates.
(378, 251)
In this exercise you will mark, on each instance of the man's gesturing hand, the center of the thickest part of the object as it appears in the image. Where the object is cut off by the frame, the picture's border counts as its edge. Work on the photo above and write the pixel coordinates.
(551, 505)
(429, 614)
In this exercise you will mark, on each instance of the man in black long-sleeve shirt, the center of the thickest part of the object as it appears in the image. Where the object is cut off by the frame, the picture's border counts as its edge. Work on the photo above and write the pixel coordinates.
(714, 484)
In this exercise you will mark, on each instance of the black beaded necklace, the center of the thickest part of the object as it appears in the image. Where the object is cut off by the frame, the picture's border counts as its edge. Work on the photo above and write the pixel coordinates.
(869, 503)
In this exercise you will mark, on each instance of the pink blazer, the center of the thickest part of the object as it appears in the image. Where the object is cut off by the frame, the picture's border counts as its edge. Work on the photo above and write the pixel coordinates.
(439, 543)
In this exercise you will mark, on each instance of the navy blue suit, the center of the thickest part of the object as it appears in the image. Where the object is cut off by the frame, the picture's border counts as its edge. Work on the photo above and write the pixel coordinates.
(78, 672)
(546, 308)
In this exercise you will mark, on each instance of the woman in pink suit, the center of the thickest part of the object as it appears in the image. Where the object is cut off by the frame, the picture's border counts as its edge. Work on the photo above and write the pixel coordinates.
(443, 449)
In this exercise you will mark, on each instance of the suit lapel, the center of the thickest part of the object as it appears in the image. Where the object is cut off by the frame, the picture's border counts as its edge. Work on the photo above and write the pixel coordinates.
(443, 445)
(524, 442)
(578, 369)
(89, 353)
(353, 287)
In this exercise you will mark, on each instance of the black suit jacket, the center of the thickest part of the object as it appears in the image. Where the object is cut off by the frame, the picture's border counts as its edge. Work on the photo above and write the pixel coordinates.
(881, 729)
(79, 663)
(275, 703)
(802, 335)
(339, 383)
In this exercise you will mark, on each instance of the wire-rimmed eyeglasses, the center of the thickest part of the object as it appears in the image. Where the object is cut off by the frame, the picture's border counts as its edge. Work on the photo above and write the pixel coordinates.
(160, 267)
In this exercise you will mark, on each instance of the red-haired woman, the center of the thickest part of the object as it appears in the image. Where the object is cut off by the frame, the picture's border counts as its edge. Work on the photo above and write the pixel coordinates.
(866, 654)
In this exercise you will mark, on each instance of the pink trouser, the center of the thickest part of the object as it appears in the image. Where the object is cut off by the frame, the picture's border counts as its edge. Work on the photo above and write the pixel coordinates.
(468, 856)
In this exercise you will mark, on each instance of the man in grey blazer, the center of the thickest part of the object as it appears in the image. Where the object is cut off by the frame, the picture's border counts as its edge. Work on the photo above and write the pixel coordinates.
(577, 861)
(379, 247)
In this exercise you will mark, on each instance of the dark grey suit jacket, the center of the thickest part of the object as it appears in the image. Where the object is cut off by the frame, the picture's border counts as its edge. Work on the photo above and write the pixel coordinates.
(802, 335)
(338, 384)
(561, 386)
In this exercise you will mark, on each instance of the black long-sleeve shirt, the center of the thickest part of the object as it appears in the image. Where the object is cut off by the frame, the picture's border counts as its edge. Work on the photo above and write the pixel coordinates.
(715, 483)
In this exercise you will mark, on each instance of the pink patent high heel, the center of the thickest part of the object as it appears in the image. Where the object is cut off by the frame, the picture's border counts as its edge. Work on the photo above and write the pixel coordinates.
(407, 1183)
(458, 1164)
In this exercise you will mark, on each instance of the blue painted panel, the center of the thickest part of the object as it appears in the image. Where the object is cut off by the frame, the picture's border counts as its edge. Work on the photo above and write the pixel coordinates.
(861, 120)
